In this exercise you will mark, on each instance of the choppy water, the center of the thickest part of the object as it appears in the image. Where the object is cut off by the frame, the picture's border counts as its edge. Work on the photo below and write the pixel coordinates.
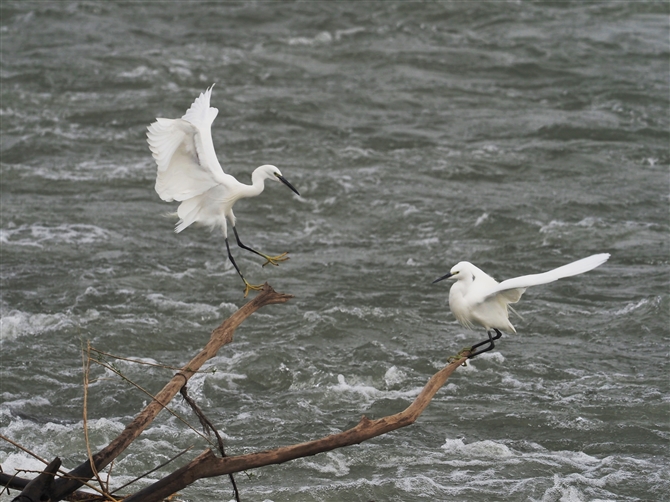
(516, 135)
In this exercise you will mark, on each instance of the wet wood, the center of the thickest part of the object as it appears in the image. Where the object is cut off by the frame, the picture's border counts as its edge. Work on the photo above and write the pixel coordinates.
(208, 465)
(221, 336)
(38, 489)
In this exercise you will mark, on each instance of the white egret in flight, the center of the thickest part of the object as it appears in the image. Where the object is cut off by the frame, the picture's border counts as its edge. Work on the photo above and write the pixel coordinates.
(476, 298)
(189, 172)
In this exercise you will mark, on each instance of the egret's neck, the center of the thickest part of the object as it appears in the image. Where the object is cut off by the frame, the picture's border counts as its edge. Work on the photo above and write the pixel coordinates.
(256, 187)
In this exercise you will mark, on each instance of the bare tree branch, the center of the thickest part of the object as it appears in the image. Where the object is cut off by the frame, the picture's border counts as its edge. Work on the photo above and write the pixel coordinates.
(36, 490)
(220, 337)
(209, 465)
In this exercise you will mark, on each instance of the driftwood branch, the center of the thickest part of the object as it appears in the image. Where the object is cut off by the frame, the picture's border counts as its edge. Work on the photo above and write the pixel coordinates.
(208, 465)
(220, 337)
(38, 488)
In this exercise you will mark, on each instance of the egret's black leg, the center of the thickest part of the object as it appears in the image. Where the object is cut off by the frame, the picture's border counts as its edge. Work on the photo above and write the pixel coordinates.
(489, 341)
(246, 284)
(244, 246)
(270, 259)
(232, 260)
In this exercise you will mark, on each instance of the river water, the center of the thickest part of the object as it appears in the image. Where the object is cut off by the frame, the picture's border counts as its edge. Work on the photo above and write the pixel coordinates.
(516, 135)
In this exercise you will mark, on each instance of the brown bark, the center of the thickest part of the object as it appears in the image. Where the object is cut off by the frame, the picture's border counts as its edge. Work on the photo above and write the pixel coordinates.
(220, 336)
(39, 487)
(208, 465)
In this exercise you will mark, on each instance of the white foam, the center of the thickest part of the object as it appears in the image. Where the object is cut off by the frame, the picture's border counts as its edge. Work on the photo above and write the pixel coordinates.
(510, 381)
(88, 170)
(371, 393)
(139, 71)
(321, 38)
(18, 463)
(487, 449)
(356, 152)
(492, 356)
(17, 323)
(427, 242)
(406, 208)
(563, 491)
(334, 463)
(39, 235)
(166, 304)
(422, 484)
(394, 376)
(363, 312)
(553, 224)
(631, 307)
(482, 219)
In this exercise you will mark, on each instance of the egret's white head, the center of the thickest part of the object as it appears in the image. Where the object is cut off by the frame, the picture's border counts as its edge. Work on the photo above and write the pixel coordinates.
(268, 171)
(462, 271)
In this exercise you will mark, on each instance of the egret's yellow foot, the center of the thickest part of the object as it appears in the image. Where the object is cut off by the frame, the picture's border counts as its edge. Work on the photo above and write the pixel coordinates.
(458, 356)
(248, 287)
(274, 260)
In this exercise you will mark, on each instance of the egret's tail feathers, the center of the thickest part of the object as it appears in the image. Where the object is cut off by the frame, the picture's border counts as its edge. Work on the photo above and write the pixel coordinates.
(181, 225)
(188, 212)
(515, 313)
(197, 210)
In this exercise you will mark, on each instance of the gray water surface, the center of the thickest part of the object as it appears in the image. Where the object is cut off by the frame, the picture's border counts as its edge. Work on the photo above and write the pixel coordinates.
(516, 135)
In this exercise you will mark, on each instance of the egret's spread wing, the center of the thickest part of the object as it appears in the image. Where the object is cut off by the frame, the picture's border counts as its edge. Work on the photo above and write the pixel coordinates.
(201, 115)
(512, 289)
(181, 174)
(512, 295)
(184, 152)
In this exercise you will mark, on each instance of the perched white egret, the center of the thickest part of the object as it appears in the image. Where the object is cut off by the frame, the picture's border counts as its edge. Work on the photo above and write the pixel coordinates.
(189, 172)
(476, 298)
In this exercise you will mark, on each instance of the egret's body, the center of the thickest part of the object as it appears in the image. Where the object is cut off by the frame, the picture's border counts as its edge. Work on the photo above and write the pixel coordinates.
(476, 298)
(189, 172)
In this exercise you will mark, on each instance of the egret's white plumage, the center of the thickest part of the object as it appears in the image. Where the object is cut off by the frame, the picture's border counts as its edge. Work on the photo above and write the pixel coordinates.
(476, 298)
(189, 172)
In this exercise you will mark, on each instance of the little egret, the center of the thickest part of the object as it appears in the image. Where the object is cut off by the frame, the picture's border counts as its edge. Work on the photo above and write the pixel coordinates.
(477, 298)
(189, 172)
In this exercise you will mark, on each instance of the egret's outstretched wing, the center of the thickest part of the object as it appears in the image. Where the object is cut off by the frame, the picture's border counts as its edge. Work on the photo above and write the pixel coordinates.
(512, 289)
(184, 152)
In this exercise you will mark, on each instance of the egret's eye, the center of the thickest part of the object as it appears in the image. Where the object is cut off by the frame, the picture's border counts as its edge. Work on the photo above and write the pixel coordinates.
(277, 175)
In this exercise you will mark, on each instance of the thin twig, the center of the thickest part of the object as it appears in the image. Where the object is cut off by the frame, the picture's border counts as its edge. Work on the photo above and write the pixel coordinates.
(207, 464)
(156, 365)
(26, 450)
(219, 337)
(152, 470)
(117, 372)
(87, 368)
(207, 426)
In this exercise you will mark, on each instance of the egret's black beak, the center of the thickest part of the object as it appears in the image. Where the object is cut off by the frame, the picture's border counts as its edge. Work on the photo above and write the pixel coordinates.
(285, 182)
(443, 277)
